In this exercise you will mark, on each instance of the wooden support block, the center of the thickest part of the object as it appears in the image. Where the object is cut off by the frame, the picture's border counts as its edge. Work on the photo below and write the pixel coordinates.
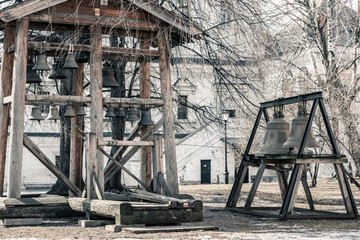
(20, 222)
(94, 223)
(114, 228)
(169, 229)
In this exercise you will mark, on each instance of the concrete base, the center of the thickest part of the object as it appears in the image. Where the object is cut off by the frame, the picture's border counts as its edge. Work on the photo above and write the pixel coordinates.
(20, 222)
(114, 228)
(94, 223)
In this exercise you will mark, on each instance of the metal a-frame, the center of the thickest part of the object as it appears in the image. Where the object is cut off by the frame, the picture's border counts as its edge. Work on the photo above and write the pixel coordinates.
(275, 162)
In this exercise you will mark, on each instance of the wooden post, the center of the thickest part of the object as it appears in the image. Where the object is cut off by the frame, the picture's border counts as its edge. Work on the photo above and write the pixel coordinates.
(168, 115)
(157, 161)
(7, 64)
(95, 164)
(76, 147)
(145, 153)
(18, 108)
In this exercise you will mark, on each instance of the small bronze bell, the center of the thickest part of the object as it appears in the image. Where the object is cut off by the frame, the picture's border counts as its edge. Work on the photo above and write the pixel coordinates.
(53, 114)
(110, 112)
(81, 111)
(146, 118)
(277, 132)
(36, 114)
(108, 76)
(56, 72)
(70, 62)
(31, 75)
(41, 63)
(132, 115)
(121, 112)
(69, 111)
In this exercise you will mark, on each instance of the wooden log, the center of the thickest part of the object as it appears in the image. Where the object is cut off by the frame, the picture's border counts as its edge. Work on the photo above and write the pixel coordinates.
(163, 185)
(125, 143)
(157, 198)
(18, 108)
(157, 161)
(35, 150)
(76, 136)
(95, 164)
(145, 153)
(36, 207)
(168, 115)
(7, 64)
(139, 213)
(64, 100)
(87, 48)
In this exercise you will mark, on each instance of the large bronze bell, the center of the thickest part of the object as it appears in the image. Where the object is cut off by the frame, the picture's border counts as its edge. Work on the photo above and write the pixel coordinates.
(298, 126)
(31, 75)
(121, 112)
(277, 132)
(110, 112)
(53, 114)
(132, 115)
(108, 76)
(69, 111)
(36, 114)
(81, 111)
(41, 63)
(70, 62)
(146, 118)
(56, 72)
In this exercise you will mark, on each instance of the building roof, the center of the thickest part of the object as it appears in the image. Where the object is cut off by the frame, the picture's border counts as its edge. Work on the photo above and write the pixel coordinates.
(26, 8)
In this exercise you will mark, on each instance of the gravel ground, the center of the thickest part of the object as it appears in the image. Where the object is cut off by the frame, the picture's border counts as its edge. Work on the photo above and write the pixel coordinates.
(231, 225)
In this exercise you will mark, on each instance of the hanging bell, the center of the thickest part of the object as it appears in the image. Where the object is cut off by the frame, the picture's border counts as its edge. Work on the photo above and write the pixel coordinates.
(53, 114)
(298, 126)
(146, 118)
(56, 72)
(69, 111)
(277, 132)
(31, 75)
(108, 76)
(83, 57)
(41, 63)
(110, 112)
(36, 114)
(70, 62)
(132, 115)
(121, 112)
(81, 111)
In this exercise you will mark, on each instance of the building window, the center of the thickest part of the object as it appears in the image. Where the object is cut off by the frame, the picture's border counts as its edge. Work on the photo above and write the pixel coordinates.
(182, 107)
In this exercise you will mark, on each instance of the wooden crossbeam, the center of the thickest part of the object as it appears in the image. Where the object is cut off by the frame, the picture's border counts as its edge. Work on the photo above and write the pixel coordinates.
(87, 48)
(125, 143)
(35, 150)
(71, 18)
(64, 100)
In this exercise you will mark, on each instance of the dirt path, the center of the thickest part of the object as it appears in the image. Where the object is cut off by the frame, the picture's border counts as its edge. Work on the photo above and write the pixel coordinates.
(231, 225)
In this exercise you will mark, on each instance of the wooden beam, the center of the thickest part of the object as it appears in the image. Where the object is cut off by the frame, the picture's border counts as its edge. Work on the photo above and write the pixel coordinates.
(95, 164)
(113, 22)
(157, 161)
(87, 48)
(35, 150)
(145, 153)
(64, 100)
(7, 65)
(18, 108)
(125, 143)
(111, 170)
(76, 136)
(168, 115)
(23, 9)
(124, 169)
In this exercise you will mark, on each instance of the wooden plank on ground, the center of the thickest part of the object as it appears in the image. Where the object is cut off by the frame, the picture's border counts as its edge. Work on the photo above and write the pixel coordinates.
(20, 222)
(169, 229)
(13, 202)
